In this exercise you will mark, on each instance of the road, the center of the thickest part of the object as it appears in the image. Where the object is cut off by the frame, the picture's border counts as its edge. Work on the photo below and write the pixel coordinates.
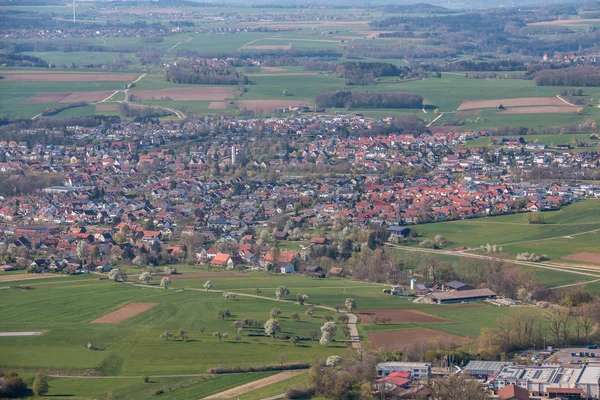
(482, 257)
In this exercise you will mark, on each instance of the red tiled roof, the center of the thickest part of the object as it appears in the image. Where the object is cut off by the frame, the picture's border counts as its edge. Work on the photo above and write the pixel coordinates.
(221, 259)
(513, 392)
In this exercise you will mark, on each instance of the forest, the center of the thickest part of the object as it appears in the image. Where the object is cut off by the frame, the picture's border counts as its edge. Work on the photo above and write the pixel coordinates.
(205, 74)
(348, 99)
(22, 60)
(360, 73)
(587, 75)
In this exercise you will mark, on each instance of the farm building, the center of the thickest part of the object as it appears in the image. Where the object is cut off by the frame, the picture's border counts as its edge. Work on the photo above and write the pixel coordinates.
(403, 231)
(485, 368)
(417, 370)
(315, 271)
(457, 286)
(399, 290)
(462, 296)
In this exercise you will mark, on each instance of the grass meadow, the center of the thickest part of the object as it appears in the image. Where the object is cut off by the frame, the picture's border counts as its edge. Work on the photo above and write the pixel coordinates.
(63, 307)
(564, 232)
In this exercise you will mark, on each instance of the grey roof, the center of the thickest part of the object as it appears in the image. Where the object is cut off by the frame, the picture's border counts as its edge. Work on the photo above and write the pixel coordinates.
(464, 294)
(456, 284)
(483, 367)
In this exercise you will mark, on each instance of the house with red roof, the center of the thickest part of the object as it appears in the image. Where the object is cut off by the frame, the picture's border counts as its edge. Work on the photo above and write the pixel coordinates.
(513, 392)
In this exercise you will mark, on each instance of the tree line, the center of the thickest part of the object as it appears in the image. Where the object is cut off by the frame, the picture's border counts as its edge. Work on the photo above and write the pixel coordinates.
(348, 99)
(359, 72)
(585, 75)
(22, 60)
(204, 74)
(20, 184)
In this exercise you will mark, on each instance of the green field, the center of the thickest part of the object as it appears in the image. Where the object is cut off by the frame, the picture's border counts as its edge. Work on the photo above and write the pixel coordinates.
(566, 231)
(176, 388)
(133, 347)
(446, 93)
(63, 308)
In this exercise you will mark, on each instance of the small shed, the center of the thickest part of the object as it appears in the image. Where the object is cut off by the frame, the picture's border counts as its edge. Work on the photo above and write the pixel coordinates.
(315, 271)
(457, 286)
(403, 231)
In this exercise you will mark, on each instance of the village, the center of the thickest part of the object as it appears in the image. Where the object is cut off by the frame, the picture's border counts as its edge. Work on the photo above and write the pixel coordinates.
(129, 186)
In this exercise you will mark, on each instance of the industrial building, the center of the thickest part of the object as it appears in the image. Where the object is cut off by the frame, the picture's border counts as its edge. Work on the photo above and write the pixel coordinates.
(417, 370)
(485, 368)
(552, 380)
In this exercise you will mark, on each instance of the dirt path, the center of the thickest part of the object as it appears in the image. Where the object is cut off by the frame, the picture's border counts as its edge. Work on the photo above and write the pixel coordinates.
(106, 99)
(438, 117)
(177, 44)
(565, 101)
(248, 387)
(552, 238)
(574, 284)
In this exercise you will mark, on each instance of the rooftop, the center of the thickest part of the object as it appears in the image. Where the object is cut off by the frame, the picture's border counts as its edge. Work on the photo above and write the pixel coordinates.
(464, 294)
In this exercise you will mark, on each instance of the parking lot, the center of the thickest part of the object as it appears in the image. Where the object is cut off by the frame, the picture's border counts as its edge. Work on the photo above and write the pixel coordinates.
(577, 355)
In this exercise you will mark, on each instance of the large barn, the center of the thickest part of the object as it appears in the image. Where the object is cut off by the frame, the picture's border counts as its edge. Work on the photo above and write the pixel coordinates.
(462, 296)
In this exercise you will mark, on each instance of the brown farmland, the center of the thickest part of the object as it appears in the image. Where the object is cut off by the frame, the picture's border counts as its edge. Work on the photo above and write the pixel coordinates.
(269, 47)
(257, 105)
(26, 277)
(412, 337)
(577, 22)
(587, 257)
(398, 315)
(540, 110)
(517, 102)
(217, 105)
(273, 69)
(124, 313)
(185, 94)
(28, 76)
(68, 97)
(467, 113)
(106, 107)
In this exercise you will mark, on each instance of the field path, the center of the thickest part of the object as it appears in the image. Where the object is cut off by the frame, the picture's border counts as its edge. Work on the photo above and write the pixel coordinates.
(248, 387)
(574, 284)
(106, 99)
(177, 44)
(438, 117)
(565, 101)
(552, 238)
